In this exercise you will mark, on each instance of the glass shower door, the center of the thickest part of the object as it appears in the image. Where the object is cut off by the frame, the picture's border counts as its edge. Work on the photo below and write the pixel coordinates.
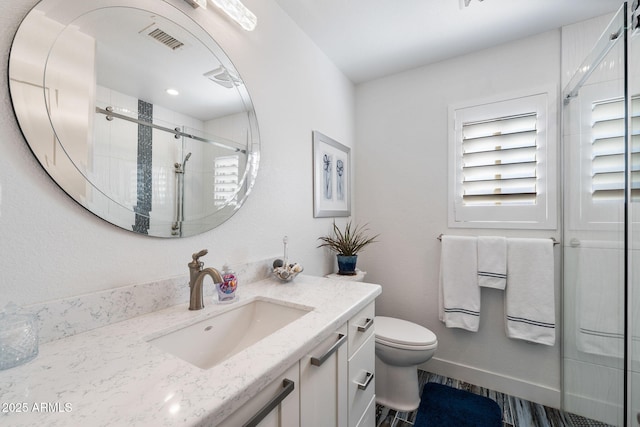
(594, 232)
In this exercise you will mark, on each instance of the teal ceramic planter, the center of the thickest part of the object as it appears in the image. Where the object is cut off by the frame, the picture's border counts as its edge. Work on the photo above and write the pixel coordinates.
(347, 264)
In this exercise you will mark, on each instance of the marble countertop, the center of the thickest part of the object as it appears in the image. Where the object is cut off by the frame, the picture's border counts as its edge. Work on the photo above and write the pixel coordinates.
(113, 376)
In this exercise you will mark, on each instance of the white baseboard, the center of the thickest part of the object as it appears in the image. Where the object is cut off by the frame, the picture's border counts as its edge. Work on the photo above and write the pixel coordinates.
(537, 393)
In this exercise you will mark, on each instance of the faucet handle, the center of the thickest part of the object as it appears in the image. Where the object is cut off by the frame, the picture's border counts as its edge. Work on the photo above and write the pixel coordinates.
(197, 255)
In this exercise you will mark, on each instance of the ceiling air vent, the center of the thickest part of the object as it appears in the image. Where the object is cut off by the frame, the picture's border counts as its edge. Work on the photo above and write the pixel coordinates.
(166, 39)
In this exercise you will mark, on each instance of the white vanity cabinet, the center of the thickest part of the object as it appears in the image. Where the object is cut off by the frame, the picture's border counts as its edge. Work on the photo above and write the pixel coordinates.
(334, 384)
(278, 405)
(242, 385)
(323, 383)
(337, 385)
(361, 367)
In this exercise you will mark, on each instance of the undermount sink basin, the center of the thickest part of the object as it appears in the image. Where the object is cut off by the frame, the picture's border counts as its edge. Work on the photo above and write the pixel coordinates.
(209, 342)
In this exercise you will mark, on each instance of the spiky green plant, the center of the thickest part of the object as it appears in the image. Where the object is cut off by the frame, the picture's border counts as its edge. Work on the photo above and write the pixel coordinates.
(348, 242)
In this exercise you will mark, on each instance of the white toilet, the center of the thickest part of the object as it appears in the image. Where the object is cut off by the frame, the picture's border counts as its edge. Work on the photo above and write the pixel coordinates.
(400, 347)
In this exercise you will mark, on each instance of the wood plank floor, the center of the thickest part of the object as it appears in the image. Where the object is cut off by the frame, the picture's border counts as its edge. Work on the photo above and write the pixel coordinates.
(516, 412)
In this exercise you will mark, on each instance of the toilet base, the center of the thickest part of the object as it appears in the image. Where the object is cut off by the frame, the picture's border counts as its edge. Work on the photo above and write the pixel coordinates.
(397, 386)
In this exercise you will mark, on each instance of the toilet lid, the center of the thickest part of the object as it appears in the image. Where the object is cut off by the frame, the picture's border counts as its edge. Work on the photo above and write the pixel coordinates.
(400, 331)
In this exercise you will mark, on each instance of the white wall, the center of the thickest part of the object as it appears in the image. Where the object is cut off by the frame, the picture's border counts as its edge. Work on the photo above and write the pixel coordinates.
(401, 191)
(52, 248)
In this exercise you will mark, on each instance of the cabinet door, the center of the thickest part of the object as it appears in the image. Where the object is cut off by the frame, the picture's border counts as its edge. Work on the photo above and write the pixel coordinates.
(278, 405)
(323, 383)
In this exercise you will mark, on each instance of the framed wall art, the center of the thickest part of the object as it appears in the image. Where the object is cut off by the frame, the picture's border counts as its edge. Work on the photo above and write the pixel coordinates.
(331, 177)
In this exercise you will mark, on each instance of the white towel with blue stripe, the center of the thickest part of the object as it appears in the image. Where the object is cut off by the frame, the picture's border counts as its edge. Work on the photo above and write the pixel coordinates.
(530, 293)
(492, 262)
(459, 294)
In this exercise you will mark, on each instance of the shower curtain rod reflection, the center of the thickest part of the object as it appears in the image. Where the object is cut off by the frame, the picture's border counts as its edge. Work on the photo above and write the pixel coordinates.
(176, 132)
(555, 242)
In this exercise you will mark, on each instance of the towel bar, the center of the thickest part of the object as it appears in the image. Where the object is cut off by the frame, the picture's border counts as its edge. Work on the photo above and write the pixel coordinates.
(555, 242)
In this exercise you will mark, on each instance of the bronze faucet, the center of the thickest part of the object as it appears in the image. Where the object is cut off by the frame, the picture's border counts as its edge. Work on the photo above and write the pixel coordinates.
(196, 277)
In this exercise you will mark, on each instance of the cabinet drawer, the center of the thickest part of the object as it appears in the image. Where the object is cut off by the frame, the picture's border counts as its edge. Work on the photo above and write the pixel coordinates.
(362, 385)
(361, 327)
(369, 417)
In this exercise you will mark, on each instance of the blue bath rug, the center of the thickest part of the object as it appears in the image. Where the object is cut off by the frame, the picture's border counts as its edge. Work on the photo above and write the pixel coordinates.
(444, 406)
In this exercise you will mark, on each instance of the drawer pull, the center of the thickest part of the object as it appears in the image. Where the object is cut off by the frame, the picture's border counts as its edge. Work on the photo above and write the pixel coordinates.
(367, 381)
(317, 361)
(366, 325)
(287, 388)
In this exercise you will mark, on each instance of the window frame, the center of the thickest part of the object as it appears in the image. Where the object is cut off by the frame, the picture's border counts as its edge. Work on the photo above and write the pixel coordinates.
(542, 214)
(582, 210)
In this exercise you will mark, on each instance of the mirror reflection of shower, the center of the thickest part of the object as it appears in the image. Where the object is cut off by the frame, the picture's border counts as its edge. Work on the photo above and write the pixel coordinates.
(179, 169)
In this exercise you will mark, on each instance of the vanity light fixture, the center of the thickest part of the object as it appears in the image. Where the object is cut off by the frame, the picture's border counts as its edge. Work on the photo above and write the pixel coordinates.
(234, 8)
(463, 3)
(238, 12)
(197, 3)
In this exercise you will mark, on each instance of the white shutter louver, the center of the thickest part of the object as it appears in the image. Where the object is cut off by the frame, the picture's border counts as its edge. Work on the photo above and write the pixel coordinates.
(608, 150)
(499, 161)
(226, 180)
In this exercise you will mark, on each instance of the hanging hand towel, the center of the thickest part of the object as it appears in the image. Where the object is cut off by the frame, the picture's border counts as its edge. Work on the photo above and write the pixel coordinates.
(492, 262)
(459, 295)
(530, 294)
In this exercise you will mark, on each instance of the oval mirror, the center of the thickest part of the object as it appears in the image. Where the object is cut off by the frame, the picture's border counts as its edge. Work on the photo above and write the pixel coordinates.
(135, 112)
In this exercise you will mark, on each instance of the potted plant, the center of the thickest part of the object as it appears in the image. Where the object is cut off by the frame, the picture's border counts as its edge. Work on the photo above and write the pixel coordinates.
(346, 244)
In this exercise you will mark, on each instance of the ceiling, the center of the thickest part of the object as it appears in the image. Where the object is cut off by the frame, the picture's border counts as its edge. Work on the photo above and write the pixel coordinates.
(148, 66)
(368, 39)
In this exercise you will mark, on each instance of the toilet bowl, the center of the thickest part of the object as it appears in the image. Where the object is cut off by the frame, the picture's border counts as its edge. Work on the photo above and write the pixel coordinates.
(400, 347)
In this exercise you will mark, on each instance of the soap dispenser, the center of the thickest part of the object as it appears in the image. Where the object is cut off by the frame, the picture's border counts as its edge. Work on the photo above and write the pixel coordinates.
(227, 289)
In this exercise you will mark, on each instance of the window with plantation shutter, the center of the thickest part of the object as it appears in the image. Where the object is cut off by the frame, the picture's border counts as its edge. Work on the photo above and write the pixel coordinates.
(499, 161)
(608, 151)
(226, 179)
(503, 164)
